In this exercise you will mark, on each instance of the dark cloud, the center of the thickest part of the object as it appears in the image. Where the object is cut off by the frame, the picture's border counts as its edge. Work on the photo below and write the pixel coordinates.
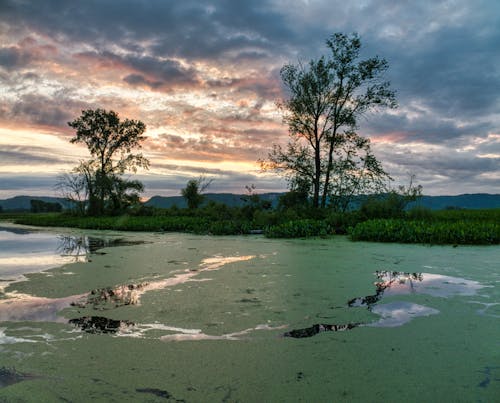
(187, 28)
(28, 155)
(422, 127)
(14, 185)
(138, 79)
(152, 71)
(12, 58)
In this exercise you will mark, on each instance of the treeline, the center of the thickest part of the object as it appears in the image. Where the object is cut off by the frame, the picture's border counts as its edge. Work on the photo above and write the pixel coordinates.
(377, 220)
(39, 206)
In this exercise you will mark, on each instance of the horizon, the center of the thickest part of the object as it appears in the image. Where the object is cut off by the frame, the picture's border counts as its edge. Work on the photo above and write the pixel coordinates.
(146, 199)
(204, 78)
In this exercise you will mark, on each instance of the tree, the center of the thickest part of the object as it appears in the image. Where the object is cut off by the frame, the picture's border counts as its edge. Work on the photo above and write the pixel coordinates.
(193, 191)
(110, 143)
(74, 187)
(326, 99)
(394, 203)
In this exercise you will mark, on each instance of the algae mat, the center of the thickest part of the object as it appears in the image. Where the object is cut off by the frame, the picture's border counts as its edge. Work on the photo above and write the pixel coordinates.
(176, 317)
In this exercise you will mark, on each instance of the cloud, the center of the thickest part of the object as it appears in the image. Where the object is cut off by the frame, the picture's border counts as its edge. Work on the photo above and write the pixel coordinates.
(144, 70)
(31, 155)
(12, 57)
(206, 75)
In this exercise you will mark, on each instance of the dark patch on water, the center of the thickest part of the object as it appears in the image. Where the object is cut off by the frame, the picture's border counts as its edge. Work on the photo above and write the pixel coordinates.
(99, 324)
(159, 393)
(250, 300)
(15, 230)
(319, 328)
(11, 376)
(487, 371)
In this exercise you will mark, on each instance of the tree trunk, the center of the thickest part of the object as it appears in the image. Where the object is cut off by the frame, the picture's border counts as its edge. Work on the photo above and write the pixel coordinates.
(327, 178)
(317, 174)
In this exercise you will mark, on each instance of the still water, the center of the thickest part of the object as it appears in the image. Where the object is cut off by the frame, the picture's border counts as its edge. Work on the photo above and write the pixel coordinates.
(107, 316)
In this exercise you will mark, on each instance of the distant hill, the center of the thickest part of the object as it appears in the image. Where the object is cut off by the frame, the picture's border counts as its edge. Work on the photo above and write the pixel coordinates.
(466, 201)
(23, 203)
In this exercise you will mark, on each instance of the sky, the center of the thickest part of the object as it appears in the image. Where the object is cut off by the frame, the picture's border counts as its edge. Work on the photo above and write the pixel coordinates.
(204, 78)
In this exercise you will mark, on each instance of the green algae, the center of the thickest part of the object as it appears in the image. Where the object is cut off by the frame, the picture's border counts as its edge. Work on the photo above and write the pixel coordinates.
(215, 333)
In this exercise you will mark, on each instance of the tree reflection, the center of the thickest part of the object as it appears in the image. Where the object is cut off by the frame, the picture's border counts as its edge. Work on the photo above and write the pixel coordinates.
(387, 279)
(77, 246)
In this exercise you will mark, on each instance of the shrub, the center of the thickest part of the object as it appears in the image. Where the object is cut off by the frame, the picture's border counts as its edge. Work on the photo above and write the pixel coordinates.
(299, 229)
(438, 232)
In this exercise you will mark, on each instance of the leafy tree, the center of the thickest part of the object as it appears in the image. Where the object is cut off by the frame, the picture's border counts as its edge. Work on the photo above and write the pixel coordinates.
(326, 98)
(253, 202)
(298, 196)
(110, 142)
(392, 204)
(193, 191)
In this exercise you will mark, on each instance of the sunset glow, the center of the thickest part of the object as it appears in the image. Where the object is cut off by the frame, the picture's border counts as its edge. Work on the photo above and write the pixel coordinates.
(204, 78)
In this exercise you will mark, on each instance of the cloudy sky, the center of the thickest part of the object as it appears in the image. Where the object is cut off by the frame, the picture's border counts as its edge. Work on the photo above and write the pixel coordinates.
(204, 77)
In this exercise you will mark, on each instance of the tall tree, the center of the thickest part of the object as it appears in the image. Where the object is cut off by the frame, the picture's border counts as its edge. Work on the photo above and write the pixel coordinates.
(326, 98)
(192, 193)
(111, 143)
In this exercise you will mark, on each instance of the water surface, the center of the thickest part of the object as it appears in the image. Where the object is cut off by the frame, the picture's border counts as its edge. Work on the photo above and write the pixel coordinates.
(199, 318)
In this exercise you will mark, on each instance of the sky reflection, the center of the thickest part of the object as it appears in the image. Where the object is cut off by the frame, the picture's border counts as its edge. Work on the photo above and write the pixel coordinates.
(23, 252)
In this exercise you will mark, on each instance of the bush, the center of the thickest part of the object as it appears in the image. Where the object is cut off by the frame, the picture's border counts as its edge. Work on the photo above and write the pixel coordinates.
(299, 229)
(406, 231)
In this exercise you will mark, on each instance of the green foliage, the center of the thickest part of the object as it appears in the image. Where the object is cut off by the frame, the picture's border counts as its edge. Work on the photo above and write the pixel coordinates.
(39, 206)
(415, 226)
(327, 96)
(193, 192)
(119, 223)
(428, 232)
(299, 229)
(96, 185)
(389, 205)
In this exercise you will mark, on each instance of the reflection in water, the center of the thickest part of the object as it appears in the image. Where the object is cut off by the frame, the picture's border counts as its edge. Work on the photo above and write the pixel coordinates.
(4, 339)
(76, 246)
(23, 307)
(395, 280)
(397, 313)
(400, 283)
(318, 328)
(99, 324)
(130, 294)
(23, 251)
(228, 336)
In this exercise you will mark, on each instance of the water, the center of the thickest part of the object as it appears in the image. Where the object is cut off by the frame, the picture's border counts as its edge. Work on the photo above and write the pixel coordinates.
(168, 317)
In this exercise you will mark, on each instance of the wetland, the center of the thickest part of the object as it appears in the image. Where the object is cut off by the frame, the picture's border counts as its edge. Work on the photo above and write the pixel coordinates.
(116, 316)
